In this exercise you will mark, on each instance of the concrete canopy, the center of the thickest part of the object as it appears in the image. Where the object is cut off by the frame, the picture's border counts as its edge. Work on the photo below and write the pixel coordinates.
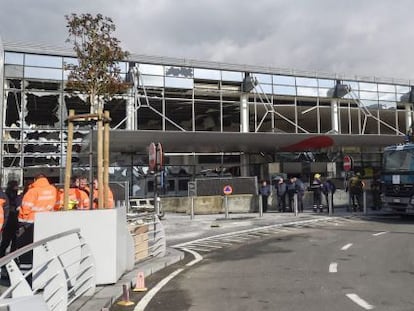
(125, 141)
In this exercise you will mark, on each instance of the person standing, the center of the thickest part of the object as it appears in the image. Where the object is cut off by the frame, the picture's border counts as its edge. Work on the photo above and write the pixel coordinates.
(111, 202)
(40, 197)
(300, 189)
(356, 188)
(281, 194)
(264, 191)
(9, 232)
(316, 187)
(328, 190)
(291, 190)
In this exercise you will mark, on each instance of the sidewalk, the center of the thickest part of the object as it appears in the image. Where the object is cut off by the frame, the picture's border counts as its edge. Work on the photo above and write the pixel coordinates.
(180, 228)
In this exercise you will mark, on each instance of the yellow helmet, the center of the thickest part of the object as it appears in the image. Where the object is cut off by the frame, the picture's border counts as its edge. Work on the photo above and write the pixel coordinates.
(317, 176)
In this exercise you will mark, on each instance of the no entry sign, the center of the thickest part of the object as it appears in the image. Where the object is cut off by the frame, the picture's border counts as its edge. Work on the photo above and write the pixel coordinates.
(347, 163)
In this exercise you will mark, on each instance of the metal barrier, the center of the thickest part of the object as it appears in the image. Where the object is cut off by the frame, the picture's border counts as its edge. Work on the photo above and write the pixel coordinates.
(63, 270)
(148, 234)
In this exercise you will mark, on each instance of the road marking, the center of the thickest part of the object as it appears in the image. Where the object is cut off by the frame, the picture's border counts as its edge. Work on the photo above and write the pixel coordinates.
(345, 247)
(359, 301)
(333, 267)
(197, 257)
(148, 296)
(380, 233)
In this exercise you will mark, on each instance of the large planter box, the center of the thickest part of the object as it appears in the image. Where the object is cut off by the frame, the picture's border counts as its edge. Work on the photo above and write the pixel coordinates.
(106, 233)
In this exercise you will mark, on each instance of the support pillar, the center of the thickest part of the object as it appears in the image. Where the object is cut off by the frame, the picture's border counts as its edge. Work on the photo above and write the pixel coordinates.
(335, 115)
(408, 116)
(244, 128)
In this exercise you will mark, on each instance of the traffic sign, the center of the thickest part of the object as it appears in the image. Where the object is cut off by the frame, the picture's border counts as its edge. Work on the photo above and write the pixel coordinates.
(348, 163)
(227, 189)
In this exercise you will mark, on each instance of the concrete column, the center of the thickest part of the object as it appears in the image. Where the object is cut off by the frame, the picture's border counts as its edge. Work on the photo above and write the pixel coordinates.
(334, 115)
(130, 114)
(408, 116)
(244, 113)
(244, 128)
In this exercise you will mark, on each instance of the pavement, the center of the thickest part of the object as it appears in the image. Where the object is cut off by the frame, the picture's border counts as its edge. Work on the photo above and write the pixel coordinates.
(180, 228)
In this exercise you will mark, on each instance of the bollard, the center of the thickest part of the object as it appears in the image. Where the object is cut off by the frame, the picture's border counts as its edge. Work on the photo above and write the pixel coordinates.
(364, 202)
(192, 208)
(125, 297)
(140, 284)
(226, 207)
(295, 203)
(330, 200)
(260, 206)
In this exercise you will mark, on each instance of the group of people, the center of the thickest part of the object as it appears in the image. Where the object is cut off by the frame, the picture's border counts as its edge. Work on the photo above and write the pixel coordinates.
(285, 191)
(18, 210)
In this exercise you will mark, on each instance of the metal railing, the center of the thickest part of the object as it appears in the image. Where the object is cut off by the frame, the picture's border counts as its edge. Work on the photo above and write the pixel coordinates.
(148, 234)
(63, 270)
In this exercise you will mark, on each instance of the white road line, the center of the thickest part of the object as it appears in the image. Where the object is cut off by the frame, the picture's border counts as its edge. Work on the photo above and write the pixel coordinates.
(197, 257)
(148, 296)
(333, 267)
(345, 247)
(380, 233)
(360, 302)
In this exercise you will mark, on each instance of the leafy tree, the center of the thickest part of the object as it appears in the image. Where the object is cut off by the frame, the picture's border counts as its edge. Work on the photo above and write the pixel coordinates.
(97, 72)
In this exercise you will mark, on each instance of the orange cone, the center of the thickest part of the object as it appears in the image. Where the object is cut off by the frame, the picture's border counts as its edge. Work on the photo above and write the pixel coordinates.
(140, 284)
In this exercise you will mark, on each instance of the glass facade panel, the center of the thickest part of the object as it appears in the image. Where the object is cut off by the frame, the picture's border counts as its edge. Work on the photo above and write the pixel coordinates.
(43, 61)
(352, 84)
(326, 83)
(402, 89)
(368, 95)
(145, 81)
(306, 82)
(307, 91)
(323, 92)
(266, 88)
(263, 78)
(387, 96)
(179, 83)
(13, 58)
(13, 71)
(387, 105)
(371, 104)
(386, 88)
(43, 73)
(284, 80)
(70, 61)
(363, 86)
(179, 72)
(151, 69)
(231, 76)
(285, 90)
(207, 74)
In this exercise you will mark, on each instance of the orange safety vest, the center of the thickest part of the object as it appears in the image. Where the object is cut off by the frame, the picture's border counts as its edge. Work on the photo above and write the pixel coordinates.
(3, 203)
(76, 196)
(110, 199)
(41, 197)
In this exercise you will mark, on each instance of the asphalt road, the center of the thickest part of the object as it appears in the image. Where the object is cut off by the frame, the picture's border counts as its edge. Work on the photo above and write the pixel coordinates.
(355, 265)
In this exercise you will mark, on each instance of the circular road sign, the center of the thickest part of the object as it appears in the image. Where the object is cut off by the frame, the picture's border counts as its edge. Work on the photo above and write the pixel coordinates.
(347, 163)
(227, 189)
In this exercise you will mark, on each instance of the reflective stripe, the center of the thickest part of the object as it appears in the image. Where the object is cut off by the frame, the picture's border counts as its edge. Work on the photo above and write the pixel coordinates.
(27, 221)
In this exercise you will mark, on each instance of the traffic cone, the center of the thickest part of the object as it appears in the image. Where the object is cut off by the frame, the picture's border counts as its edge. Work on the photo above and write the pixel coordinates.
(140, 284)
(125, 297)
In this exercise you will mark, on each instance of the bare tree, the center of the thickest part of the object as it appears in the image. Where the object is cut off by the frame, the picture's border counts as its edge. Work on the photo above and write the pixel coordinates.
(97, 73)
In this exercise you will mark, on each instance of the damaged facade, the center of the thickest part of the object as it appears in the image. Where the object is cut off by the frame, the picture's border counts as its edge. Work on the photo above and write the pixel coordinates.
(175, 95)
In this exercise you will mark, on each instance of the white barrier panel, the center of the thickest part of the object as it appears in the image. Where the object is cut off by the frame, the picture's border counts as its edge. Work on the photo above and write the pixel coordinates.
(104, 230)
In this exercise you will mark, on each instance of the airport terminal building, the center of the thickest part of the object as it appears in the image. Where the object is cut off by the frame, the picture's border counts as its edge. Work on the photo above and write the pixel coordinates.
(212, 119)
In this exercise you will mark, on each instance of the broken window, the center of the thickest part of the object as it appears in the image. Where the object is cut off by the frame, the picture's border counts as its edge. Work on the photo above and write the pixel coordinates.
(42, 110)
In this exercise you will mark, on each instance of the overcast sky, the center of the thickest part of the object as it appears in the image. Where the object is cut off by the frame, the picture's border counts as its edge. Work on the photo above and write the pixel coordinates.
(361, 37)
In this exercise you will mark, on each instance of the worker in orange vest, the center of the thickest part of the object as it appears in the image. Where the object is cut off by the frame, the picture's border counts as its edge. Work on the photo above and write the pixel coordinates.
(41, 197)
(78, 199)
(4, 209)
(95, 196)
